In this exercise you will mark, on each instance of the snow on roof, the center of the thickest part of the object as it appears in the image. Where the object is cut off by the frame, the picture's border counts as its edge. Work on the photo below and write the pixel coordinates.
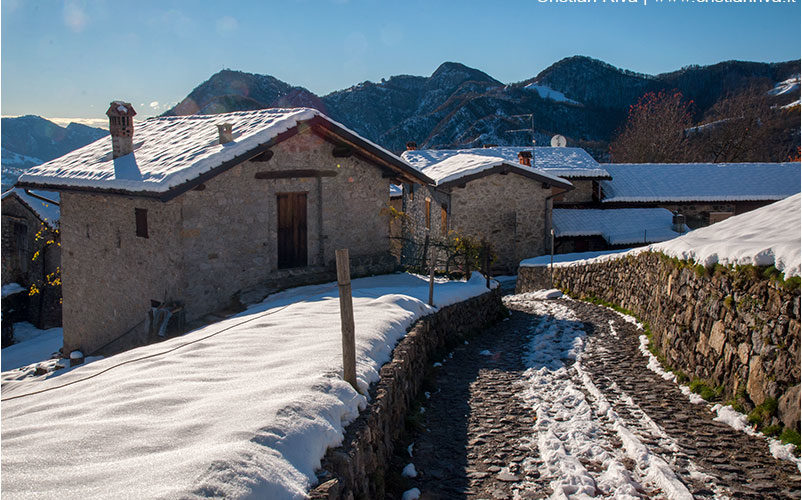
(241, 408)
(563, 162)
(45, 204)
(395, 190)
(767, 236)
(623, 226)
(463, 165)
(652, 182)
(171, 150)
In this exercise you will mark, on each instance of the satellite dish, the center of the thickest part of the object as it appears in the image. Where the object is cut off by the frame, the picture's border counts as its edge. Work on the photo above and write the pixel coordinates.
(558, 141)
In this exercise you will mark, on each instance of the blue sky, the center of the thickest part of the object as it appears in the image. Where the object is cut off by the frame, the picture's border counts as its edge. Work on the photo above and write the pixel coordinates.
(70, 58)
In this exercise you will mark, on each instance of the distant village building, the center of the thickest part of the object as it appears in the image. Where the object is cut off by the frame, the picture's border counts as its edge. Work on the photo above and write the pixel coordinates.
(506, 203)
(178, 217)
(705, 193)
(30, 255)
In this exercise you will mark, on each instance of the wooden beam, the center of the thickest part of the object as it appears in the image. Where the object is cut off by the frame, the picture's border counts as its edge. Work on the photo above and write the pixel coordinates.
(294, 174)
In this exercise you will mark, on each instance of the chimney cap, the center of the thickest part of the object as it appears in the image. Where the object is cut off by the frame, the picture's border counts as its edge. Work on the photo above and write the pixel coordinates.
(412, 145)
(525, 154)
(488, 146)
(120, 108)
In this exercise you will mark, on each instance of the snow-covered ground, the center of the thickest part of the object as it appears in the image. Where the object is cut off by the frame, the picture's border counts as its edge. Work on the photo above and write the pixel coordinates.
(575, 421)
(767, 236)
(31, 346)
(547, 92)
(244, 407)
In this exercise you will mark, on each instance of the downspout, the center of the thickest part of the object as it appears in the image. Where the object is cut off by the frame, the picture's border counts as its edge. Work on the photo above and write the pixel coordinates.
(547, 216)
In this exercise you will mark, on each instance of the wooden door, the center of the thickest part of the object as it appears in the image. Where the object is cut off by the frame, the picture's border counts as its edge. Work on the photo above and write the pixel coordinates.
(291, 230)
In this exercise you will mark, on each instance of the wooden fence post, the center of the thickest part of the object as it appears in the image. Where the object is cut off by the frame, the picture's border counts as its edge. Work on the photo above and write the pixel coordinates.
(431, 278)
(346, 317)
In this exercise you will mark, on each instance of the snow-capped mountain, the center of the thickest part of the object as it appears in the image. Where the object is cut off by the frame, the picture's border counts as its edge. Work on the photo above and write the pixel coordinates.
(582, 98)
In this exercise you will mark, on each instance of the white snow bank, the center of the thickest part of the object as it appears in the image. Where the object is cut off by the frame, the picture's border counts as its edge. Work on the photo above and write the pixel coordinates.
(244, 407)
(788, 86)
(571, 258)
(767, 236)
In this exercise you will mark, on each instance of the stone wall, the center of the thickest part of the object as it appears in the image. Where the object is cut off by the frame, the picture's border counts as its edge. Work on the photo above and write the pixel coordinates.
(732, 330)
(356, 469)
(208, 245)
(20, 227)
(509, 211)
(109, 274)
(582, 193)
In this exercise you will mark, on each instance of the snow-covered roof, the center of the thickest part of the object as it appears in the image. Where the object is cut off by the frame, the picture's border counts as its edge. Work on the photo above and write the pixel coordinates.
(570, 163)
(171, 151)
(621, 226)
(45, 204)
(654, 182)
(460, 167)
(395, 190)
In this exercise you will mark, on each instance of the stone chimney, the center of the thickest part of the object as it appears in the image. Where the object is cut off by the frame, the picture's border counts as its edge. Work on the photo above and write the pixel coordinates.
(121, 126)
(525, 158)
(678, 223)
(226, 132)
(412, 146)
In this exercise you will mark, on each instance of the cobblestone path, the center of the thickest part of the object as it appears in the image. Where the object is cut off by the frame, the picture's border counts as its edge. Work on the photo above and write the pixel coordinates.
(558, 399)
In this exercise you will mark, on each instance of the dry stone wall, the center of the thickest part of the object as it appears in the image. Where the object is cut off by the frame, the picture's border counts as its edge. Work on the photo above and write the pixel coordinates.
(738, 332)
(357, 468)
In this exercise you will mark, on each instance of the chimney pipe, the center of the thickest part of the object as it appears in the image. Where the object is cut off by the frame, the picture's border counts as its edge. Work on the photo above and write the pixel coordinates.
(525, 158)
(121, 127)
(225, 131)
(412, 146)
(678, 223)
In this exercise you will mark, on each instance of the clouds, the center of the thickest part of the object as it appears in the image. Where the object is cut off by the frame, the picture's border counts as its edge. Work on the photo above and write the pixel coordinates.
(75, 17)
(226, 25)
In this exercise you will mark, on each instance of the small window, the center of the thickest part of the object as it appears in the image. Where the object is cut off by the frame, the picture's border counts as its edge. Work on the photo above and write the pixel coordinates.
(141, 222)
(428, 213)
(443, 220)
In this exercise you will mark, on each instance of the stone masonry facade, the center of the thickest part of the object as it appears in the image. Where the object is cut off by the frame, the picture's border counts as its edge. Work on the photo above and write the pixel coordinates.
(208, 244)
(739, 333)
(509, 211)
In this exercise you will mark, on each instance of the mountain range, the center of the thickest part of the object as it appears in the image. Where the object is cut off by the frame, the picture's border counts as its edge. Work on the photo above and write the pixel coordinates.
(584, 99)
(31, 140)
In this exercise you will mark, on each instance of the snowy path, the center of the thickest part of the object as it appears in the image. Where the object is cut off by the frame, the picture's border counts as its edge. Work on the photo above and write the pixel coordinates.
(564, 407)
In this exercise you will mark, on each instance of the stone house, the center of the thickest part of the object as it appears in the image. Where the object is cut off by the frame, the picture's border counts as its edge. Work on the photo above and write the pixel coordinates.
(505, 203)
(180, 218)
(704, 193)
(31, 256)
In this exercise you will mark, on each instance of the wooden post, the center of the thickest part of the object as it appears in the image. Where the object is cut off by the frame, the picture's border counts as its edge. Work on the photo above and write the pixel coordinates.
(486, 263)
(431, 278)
(346, 317)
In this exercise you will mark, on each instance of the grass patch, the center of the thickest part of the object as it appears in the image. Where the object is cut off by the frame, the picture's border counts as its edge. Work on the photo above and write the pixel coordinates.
(707, 393)
(789, 435)
(736, 405)
(682, 377)
(763, 412)
(772, 430)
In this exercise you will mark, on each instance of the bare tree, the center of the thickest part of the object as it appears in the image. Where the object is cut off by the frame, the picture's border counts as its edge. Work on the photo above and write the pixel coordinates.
(746, 126)
(655, 130)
